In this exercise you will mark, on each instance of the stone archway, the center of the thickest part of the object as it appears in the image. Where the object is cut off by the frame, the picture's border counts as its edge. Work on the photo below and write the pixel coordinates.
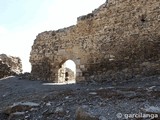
(67, 72)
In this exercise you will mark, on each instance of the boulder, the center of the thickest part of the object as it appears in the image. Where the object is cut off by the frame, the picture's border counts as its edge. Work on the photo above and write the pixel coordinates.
(152, 109)
(18, 110)
(83, 113)
(17, 116)
(20, 107)
(9, 65)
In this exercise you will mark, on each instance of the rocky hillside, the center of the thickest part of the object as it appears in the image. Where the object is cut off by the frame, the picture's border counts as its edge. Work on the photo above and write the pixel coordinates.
(9, 65)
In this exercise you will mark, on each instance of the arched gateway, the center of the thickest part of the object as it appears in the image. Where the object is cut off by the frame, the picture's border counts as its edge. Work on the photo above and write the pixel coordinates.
(67, 72)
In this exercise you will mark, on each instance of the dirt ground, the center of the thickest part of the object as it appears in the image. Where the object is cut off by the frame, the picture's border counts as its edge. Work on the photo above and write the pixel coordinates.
(131, 99)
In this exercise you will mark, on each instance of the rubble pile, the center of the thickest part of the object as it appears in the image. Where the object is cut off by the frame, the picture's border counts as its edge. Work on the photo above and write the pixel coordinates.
(9, 65)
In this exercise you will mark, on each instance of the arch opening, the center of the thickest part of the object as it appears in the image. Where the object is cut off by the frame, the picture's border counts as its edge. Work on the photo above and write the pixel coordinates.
(67, 72)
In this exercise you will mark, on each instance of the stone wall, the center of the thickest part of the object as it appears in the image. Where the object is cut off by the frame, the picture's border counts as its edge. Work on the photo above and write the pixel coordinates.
(9, 65)
(120, 38)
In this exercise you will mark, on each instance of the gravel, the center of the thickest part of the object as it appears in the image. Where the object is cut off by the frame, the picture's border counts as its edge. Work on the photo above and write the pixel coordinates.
(105, 101)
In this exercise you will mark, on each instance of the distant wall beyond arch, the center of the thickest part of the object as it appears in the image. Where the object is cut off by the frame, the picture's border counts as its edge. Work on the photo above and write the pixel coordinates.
(113, 42)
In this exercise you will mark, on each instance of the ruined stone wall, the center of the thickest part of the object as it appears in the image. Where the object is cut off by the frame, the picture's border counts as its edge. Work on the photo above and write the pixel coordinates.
(120, 38)
(10, 65)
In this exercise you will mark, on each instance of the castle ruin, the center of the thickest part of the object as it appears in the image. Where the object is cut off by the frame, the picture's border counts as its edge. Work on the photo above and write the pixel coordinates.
(119, 40)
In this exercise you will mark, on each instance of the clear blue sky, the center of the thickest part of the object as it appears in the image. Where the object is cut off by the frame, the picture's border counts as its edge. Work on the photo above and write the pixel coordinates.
(22, 20)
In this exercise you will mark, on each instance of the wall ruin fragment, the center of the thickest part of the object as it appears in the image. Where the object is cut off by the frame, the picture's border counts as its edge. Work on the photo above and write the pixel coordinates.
(119, 39)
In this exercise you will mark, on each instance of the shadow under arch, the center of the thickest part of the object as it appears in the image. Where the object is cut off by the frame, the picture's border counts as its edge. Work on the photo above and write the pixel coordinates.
(67, 71)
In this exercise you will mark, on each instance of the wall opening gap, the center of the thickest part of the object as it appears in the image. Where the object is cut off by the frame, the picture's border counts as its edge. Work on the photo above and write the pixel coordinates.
(67, 72)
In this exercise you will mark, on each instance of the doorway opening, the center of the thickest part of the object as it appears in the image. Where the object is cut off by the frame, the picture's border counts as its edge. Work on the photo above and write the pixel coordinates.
(67, 72)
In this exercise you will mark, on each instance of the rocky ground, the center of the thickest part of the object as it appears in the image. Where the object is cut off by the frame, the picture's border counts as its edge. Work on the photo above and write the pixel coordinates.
(137, 98)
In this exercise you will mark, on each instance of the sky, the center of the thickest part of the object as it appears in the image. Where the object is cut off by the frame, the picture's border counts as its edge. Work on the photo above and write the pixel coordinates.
(22, 20)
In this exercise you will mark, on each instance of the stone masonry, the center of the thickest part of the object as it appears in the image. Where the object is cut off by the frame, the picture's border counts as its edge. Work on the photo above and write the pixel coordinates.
(119, 40)
(10, 65)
